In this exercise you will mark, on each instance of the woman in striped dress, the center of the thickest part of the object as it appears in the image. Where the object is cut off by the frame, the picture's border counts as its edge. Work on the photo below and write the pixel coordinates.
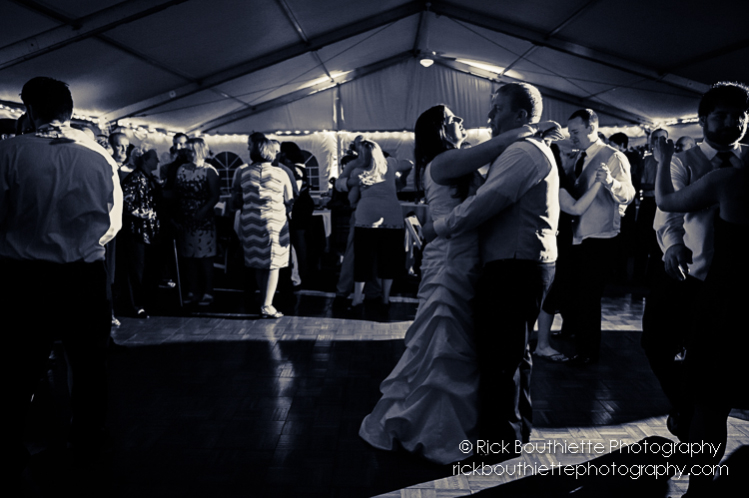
(264, 194)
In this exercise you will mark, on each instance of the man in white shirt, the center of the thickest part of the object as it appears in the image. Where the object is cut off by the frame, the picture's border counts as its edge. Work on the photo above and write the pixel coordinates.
(595, 244)
(687, 243)
(60, 202)
(516, 213)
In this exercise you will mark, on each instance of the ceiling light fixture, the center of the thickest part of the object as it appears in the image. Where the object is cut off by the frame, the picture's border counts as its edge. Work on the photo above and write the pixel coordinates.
(426, 62)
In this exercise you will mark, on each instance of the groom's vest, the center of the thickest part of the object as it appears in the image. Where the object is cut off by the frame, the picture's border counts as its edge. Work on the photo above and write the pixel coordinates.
(526, 229)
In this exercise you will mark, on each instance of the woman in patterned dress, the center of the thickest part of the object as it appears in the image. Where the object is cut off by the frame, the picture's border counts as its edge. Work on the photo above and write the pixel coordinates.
(198, 192)
(264, 194)
(140, 225)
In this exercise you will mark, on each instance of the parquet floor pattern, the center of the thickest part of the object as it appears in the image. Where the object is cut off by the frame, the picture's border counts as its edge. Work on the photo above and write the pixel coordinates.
(204, 407)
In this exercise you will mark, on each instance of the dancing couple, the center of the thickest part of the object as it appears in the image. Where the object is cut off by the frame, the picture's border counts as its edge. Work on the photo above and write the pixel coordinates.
(465, 373)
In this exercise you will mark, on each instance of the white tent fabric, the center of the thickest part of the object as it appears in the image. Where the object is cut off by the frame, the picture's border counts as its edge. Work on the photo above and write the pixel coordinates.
(191, 64)
(228, 67)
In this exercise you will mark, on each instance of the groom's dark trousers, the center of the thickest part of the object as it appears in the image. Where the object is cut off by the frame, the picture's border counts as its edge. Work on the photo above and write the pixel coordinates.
(509, 295)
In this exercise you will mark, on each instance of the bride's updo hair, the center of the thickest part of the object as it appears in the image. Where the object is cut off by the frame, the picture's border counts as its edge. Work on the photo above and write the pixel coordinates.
(429, 142)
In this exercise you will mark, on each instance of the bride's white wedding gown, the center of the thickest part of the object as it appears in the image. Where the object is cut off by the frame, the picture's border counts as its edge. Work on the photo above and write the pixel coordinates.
(429, 402)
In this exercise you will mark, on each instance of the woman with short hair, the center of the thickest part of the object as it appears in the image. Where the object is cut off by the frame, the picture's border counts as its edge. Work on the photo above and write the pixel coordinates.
(198, 191)
(264, 194)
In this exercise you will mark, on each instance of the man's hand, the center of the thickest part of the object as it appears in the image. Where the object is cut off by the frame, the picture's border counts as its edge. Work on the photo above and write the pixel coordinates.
(663, 151)
(601, 175)
(550, 131)
(676, 261)
(608, 178)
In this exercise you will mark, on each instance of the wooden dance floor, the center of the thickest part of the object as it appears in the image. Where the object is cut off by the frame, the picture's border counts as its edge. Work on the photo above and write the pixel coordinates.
(204, 406)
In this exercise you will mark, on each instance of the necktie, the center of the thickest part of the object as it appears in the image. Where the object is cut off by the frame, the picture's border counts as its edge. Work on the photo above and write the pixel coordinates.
(725, 157)
(579, 164)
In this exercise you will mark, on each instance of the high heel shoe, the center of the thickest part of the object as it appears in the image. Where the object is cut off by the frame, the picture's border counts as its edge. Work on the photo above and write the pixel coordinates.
(270, 312)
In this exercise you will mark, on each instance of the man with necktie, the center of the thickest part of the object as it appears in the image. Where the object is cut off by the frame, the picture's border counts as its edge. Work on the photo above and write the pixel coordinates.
(687, 242)
(595, 242)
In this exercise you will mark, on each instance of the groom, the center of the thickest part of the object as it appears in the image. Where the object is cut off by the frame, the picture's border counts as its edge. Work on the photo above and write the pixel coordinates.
(516, 213)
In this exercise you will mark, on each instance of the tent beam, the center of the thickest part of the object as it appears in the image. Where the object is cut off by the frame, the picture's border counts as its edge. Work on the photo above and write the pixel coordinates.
(547, 92)
(75, 30)
(301, 32)
(329, 38)
(76, 24)
(557, 29)
(498, 25)
(420, 39)
(301, 94)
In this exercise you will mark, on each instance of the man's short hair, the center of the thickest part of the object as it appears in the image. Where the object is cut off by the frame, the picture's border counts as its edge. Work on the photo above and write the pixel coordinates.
(179, 135)
(49, 98)
(588, 116)
(728, 93)
(524, 96)
(658, 130)
(620, 139)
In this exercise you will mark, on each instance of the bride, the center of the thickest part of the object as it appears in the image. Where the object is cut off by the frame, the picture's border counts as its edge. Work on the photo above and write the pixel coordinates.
(429, 401)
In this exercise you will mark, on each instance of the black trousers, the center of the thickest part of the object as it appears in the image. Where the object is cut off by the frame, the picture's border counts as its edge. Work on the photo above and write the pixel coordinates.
(136, 284)
(509, 296)
(668, 321)
(593, 265)
(43, 302)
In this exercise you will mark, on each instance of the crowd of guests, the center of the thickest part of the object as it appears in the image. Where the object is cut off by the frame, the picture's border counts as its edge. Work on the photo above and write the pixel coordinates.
(169, 229)
(517, 232)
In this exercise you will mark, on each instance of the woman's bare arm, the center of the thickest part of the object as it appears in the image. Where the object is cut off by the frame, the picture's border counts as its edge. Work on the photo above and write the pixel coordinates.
(455, 163)
(578, 207)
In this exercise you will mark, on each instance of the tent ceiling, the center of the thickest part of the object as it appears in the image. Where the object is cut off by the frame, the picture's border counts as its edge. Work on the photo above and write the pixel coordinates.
(233, 67)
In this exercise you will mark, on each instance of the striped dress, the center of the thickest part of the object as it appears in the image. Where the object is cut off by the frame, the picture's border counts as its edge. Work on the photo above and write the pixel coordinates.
(264, 230)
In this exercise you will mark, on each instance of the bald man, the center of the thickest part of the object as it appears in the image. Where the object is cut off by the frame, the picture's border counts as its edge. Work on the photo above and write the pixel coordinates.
(683, 144)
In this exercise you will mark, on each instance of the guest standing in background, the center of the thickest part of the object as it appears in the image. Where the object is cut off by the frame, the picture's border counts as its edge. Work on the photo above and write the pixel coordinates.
(379, 220)
(198, 191)
(140, 227)
(264, 195)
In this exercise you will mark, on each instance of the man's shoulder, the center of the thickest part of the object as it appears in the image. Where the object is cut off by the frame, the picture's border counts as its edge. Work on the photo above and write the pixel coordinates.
(610, 152)
(521, 148)
(17, 141)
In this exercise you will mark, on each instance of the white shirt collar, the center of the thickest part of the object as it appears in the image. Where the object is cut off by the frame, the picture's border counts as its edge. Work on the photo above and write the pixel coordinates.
(710, 152)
